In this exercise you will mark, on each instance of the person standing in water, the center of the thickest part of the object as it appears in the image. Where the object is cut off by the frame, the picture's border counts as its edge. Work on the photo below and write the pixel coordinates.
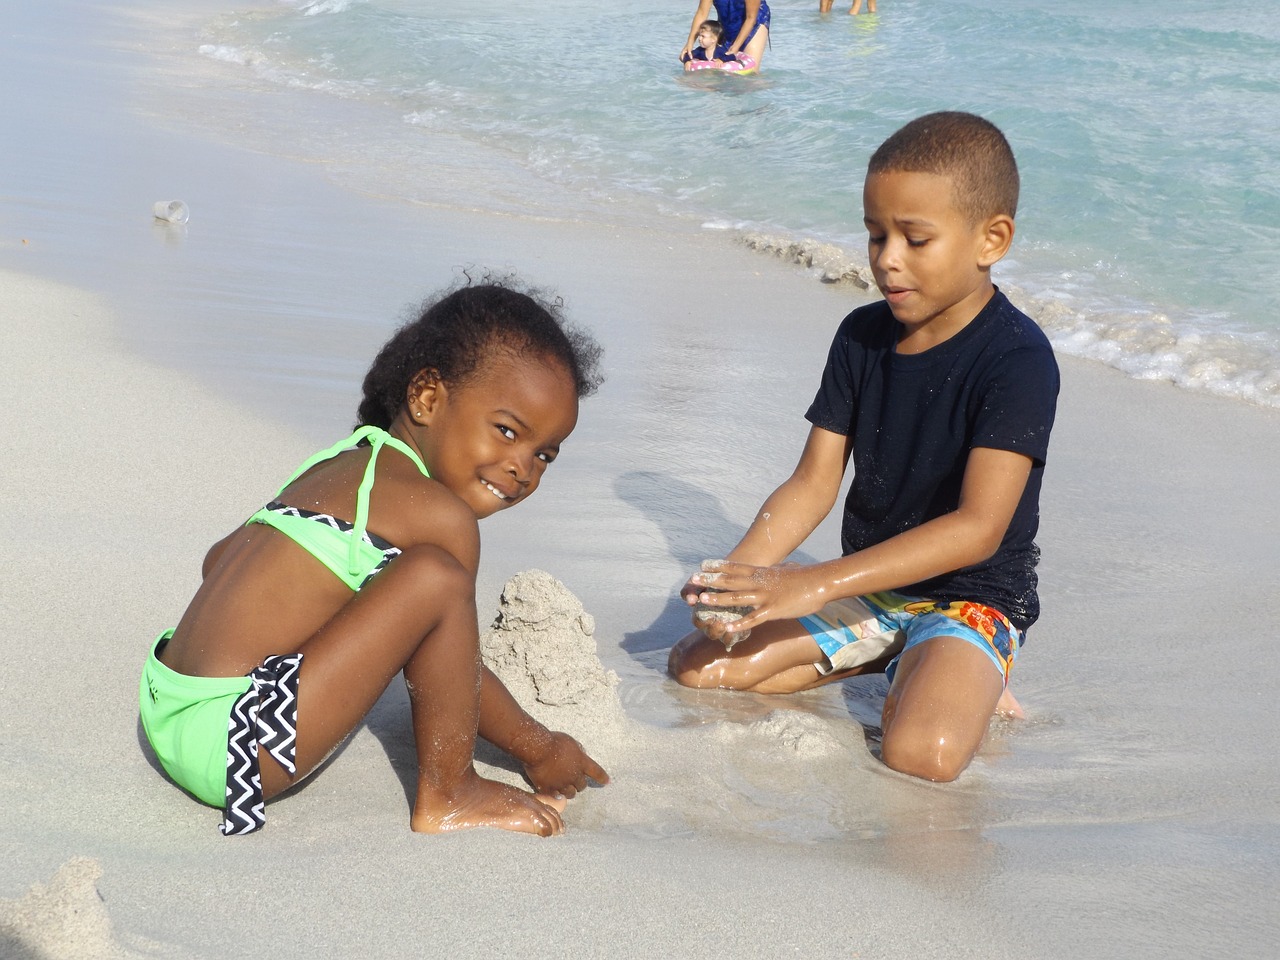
(745, 24)
(824, 6)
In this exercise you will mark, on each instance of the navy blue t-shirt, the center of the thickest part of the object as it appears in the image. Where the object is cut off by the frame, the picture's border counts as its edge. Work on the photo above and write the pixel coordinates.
(915, 417)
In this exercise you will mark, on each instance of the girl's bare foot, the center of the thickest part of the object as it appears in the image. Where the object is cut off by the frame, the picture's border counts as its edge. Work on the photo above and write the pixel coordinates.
(486, 803)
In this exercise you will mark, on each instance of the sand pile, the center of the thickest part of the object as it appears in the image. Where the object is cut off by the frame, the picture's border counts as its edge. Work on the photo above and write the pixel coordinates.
(731, 775)
(542, 646)
(64, 920)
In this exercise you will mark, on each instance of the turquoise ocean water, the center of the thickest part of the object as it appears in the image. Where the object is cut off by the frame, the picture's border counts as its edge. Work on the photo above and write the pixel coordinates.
(1147, 134)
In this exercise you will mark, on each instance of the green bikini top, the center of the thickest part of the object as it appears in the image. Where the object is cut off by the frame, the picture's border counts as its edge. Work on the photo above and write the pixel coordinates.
(348, 549)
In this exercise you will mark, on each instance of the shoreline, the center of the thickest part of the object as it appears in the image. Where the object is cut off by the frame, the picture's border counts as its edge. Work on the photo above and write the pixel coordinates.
(1121, 819)
(255, 100)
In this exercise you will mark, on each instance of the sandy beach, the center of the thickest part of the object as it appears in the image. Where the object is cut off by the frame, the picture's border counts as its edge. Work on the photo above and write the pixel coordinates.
(160, 381)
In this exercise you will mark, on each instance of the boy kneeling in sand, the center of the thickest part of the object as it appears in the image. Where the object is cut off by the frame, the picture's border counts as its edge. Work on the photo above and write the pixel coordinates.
(943, 394)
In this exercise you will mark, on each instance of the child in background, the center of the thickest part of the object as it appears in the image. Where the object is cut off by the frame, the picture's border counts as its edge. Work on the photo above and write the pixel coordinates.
(943, 394)
(745, 24)
(364, 565)
(710, 53)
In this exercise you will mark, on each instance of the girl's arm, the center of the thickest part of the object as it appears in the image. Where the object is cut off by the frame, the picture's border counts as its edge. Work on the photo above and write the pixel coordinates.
(704, 8)
(215, 553)
(750, 12)
(555, 763)
(989, 496)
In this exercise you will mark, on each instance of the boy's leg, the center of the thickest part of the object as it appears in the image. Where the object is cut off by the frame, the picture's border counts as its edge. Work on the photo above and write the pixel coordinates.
(938, 708)
(778, 657)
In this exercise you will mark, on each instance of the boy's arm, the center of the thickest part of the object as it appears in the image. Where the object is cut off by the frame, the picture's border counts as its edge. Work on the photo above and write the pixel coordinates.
(993, 485)
(555, 763)
(805, 498)
(790, 513)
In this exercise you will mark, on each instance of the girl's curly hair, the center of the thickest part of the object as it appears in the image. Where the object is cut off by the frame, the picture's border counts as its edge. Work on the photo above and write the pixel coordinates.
(458, 329)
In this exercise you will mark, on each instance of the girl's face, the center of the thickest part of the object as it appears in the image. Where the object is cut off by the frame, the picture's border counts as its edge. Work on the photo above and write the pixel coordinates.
(490, 440)
(707, 38)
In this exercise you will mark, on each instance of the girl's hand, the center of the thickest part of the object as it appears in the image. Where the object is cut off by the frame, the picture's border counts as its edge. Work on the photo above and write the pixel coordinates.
(562, 768)
(782, 592)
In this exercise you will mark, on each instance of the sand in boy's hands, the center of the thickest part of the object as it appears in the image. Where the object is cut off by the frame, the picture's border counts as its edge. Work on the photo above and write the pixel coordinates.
(703, 614)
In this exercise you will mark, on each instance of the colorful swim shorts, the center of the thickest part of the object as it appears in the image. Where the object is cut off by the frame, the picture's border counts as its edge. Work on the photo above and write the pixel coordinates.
(206, 731)
(859, 630)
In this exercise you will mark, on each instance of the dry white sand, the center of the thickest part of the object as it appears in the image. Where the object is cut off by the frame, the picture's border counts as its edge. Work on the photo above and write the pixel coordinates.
(149, 404)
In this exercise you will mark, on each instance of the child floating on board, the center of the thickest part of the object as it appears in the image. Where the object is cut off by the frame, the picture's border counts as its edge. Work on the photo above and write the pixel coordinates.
(711, 53)
(364, 564)
(745, 24)
(942, 397)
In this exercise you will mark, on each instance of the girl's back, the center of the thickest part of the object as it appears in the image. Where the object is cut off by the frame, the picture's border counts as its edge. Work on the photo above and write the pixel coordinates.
(264, 592)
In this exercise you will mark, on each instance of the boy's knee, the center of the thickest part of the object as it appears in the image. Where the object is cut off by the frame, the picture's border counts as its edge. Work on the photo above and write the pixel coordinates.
(699, 662)
(928, 757)
(687, 668)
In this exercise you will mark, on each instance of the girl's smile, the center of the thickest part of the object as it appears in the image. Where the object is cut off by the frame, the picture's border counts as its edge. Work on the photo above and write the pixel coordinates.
(489, 439)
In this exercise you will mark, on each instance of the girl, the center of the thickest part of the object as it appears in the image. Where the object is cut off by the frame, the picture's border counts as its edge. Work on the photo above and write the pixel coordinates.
(463, 410)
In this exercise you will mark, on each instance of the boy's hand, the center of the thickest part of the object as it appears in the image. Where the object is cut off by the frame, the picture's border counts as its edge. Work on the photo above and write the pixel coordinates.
(562, 768)
(782, 592)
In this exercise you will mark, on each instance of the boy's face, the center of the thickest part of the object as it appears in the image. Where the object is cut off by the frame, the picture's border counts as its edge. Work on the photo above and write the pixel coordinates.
(706, 38)
(930, 262)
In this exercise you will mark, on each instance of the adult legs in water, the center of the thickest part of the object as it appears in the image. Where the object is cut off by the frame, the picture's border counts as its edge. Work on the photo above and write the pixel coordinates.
(418, 615)
(756, 45)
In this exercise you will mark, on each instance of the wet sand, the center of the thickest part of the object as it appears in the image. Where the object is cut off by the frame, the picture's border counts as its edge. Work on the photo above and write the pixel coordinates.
(158, 384)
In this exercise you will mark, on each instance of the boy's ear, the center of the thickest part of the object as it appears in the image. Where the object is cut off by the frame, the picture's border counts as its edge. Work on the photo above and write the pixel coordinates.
(424, 394)
(997, 237)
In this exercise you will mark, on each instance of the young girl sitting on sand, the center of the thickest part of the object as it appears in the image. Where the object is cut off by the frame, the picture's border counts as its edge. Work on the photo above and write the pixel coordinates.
(463, 410)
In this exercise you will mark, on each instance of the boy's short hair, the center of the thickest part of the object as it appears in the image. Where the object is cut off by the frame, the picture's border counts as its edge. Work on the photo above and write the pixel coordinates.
(969, 150)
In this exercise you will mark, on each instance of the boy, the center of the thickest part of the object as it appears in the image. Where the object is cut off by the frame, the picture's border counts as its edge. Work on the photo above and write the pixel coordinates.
(944, 396)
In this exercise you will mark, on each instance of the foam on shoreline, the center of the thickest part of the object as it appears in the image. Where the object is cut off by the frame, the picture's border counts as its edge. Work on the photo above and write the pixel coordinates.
(1136, 340)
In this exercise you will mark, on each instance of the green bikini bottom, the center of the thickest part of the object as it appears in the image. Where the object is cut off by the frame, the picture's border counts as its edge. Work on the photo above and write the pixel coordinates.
(206, 731)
